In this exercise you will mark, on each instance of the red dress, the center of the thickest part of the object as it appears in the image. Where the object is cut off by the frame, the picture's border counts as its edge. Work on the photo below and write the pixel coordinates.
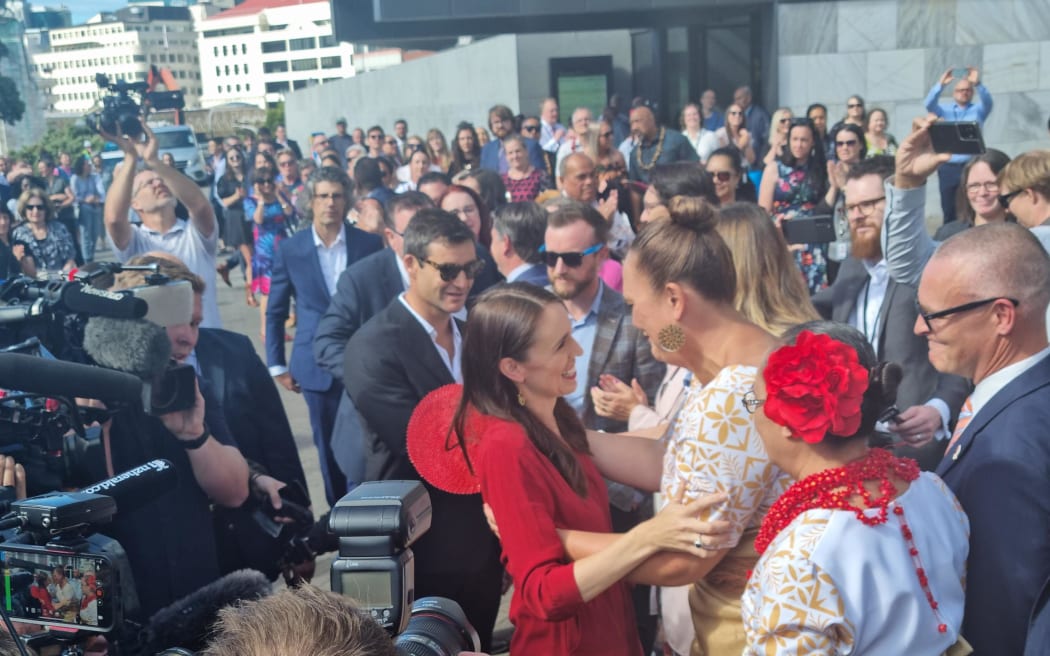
(526, 189)
(530, 500)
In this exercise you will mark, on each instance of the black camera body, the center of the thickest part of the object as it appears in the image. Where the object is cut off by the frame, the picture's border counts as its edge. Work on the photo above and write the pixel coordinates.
(120, 113)
(376, 523)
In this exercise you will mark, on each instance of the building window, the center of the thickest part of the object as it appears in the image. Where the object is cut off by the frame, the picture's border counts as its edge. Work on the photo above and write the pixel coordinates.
(224, 53)
(246, 69)
(218, 71)
(328, 41)
(238, 88)
(331, 62)
(276, 87)
(300, 84)
(139, 58)
(304, 64)
(247, 87)
(236, 69)
(244, 49)
(307, 43)
(275, 67)
(274, 46)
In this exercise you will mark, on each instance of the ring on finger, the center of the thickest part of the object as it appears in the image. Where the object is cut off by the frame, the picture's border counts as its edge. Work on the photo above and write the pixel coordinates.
(698, 542)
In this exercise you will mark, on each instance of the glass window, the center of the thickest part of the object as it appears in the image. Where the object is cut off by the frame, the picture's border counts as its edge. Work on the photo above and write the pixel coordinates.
(304, 64)
(276, 87)
(274, 46)
(275, 67)
(331, 62)
(306, 43)
(328, 41)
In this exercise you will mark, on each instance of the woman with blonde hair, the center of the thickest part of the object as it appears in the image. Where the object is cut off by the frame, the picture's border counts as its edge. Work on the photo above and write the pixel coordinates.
(47, 241)
(769, 290)
(437, 148)
(778, 134)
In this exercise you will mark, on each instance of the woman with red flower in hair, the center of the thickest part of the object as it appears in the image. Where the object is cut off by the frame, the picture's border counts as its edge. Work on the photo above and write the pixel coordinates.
(863, 554)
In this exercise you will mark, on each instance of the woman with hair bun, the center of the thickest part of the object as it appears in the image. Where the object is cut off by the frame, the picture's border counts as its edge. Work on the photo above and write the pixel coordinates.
(863, 554)
(681, 284)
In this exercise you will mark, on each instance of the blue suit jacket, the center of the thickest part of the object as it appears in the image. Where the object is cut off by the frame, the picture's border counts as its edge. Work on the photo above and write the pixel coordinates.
(999, 470)
(297, 271)
(490, 155)
(534, 275)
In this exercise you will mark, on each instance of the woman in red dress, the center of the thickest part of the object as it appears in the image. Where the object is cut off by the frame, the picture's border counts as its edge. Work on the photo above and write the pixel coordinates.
(532, 461)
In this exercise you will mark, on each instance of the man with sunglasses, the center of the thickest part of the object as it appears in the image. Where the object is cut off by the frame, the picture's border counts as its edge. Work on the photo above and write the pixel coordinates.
(982, 299)
(409, 349)
(864, 296)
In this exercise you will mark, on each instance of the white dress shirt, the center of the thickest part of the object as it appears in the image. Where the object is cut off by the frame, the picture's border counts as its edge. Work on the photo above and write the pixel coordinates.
(454, 363)
(993, 384)
(332, 258)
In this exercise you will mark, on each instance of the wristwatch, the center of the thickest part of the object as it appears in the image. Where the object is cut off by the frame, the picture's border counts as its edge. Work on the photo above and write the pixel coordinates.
(197, 443)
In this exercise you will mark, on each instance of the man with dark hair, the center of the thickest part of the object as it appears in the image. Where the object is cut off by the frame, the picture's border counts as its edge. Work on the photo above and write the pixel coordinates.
(368, 179)
(340, 141)
(517, 234)
(864, 296)
(400, 355)
(281, 139)
(400, 133)
(374, 141)
(493, 158)
(655, 145)
(307, 265)
(434, 184)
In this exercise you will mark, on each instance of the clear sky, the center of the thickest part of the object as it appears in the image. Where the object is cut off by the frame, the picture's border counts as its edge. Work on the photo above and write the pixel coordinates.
(85, 9)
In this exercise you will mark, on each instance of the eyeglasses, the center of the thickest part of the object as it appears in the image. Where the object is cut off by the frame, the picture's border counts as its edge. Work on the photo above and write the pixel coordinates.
(286, 162)
(450, 272)
(974, 187)
(785, 119)
(571, 260)
(851, 143)
(965, 307)
(854, 105)
(263, 181)
(865, 207)
(36, 207)
(391, 142)
(721, 176)
(752, 402)
(530, 128)
(1006, 199)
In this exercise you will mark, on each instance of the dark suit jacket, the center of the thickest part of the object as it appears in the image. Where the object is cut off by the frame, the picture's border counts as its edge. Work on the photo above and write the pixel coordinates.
(251, 404)
(293, 146)
(998, 470)
(534, 275)
(622, 350)
(297, 271)
(490, 154)
(897, 343)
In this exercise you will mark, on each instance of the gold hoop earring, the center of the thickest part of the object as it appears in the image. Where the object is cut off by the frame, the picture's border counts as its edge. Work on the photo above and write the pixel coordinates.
(671, 338)
(521, 400)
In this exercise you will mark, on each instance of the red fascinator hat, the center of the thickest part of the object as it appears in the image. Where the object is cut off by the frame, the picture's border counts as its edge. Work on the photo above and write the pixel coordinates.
(434, 451)
(815, 387)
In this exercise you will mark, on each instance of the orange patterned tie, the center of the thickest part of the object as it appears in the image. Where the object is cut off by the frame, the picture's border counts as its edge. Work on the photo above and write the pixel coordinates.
(965, 415)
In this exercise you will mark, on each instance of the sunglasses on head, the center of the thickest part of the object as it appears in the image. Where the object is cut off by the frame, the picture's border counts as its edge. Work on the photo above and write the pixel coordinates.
(450, 272)
(571, 260)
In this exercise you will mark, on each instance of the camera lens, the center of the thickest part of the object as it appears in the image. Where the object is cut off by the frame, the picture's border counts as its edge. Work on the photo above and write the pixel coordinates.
(967, 132)
(438, 627)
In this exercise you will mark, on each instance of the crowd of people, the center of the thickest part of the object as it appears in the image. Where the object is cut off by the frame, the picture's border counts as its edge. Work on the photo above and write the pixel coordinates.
(669, 427)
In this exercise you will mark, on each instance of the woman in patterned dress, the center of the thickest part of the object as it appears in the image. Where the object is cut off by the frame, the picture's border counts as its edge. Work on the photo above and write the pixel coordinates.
(271, 213)
(47, 242)
(679, 279)
(523, 181)
(864, 554)
(792, 185)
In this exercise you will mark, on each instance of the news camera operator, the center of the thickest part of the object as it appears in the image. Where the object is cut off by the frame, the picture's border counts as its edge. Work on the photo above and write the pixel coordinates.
(154, 194)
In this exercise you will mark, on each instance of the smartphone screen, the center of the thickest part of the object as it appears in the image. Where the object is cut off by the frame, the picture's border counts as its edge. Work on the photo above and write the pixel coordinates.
(45, 586)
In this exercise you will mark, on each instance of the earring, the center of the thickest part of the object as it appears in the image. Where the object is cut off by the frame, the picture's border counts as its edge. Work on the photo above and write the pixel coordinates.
(670, 338)
(521, 399)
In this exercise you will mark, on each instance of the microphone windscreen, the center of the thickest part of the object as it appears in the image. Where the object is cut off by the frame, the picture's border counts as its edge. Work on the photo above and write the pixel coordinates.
(27, 373)
(187, 622)
(139, 486)
(135, 346)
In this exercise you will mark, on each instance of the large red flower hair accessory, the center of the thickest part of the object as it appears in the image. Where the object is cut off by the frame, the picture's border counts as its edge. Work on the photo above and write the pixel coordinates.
(815, 387)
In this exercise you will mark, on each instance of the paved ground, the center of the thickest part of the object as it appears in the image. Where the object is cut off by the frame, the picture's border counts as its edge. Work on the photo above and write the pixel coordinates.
(239, 317)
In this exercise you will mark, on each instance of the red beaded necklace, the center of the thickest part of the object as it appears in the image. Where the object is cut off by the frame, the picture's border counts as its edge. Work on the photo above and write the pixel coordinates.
(834, 489)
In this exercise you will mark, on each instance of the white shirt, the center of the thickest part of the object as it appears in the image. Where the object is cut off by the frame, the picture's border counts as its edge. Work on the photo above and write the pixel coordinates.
(993, 384)
(454, 363)
(332, 258)
(867, 312)
(185, 242)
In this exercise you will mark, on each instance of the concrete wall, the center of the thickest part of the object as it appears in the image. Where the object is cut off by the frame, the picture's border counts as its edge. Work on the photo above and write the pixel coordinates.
(454, 85)
(892, 51)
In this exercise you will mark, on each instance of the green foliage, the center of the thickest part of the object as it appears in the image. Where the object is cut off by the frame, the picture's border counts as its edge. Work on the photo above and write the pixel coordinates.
(275, 116)
(65, 135)
(12, 107)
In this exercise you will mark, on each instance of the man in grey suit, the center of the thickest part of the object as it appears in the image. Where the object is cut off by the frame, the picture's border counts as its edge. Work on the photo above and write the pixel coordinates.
(865, 296)
(517, 234)
(574, 248)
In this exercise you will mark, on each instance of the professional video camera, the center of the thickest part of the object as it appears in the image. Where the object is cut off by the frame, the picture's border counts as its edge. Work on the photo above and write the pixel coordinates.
(40, 423)
(376, 523)
(120, 113)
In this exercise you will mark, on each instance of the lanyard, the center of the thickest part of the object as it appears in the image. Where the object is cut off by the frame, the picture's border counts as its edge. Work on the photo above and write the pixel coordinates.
(864, 317)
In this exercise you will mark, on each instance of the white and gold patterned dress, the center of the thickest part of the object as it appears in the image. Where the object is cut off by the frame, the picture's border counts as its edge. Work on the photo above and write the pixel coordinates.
(715, 447)
(830, 584)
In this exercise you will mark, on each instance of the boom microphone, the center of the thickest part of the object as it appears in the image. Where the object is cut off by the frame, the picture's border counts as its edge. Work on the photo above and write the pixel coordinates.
(133, 346)
(85, 299)
(187, 622)
(27, 373)
(139, 486)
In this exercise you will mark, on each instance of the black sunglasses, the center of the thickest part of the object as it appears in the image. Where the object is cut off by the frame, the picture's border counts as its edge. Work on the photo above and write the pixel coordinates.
(855, 105)
(264, 180)
(530, 128)
(450, 272)
(965, 307)
(721, 176)
(36, 207)
(851, 142)
(571, 260)
(1004, 199)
